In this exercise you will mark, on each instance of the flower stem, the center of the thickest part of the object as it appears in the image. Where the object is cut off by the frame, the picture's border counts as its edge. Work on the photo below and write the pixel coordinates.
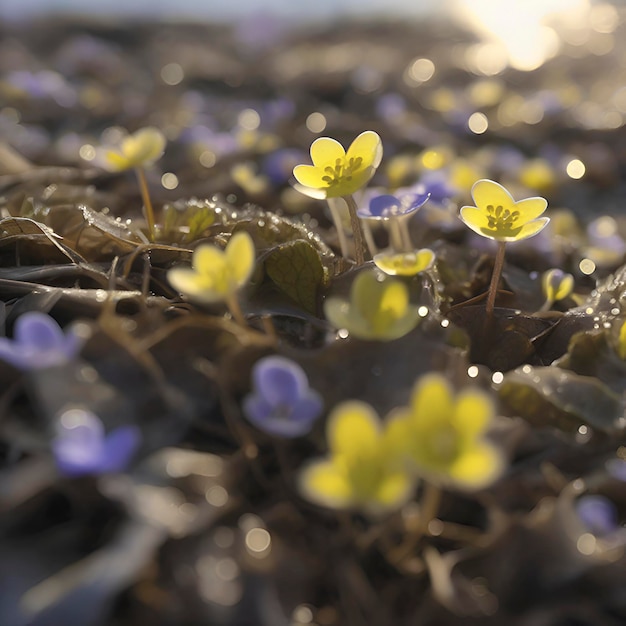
(369, 239)
(429, 506)
(335, 212)
(546, 306)
(357, 233)
(495, 278)
(145, 196)
(235, 310)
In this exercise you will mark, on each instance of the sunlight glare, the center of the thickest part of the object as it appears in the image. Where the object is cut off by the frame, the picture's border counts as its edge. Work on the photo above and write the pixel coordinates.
(520, 27)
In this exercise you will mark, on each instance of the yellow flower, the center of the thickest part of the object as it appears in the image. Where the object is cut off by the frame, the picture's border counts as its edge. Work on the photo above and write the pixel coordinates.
(334, 172)
(443, 435)
(405, 263)
(216, 274)
(137, 150)
(361, 470)
(556, 285)
(378, 309)
(497, 215)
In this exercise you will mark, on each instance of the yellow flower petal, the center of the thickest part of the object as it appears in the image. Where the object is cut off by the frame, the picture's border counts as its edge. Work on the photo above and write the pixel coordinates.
(478, 466)
(335, 174)
(115, 161)
(397, 433)
(556, 285)
(309, 175)
(365, 291)
(208, 259)
(431, 401)
(532, 228)
(353, 429)
(185, 280)
(531, 208)
(487, 192)
(324, 483)
(144, 146)
(473, 412)
(325, 151)
(376, 310)
(393, 302)
(240, 257)
(337, 312)
(367, 146)
(137, 150)
(393, 490)
(404, 264)
(497, 216)
(216, 273)
(475, 219)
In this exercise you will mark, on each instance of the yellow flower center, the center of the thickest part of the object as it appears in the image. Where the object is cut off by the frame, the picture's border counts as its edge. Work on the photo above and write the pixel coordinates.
(501, 219)
(342, 170)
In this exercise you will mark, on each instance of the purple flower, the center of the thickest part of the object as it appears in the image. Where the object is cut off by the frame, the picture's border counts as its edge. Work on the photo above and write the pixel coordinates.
(38, 342)
(386, 206)
(395, 212)
(282, 403)
(598, 514)
(81, 446)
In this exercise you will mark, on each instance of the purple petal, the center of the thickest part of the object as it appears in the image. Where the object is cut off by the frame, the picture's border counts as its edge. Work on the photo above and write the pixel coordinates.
(384, 206)
(598, 514)
(412, 201)
(279, 380)
(256, 409)
(39, 342)
(288, 428)
(78, 445)
(119, 447)
(308, 408)
(15, 355)
(284, 421)
(38, 331)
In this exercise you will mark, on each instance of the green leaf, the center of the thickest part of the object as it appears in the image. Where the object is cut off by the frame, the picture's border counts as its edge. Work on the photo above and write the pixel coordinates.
(296, 269)
(550, 396)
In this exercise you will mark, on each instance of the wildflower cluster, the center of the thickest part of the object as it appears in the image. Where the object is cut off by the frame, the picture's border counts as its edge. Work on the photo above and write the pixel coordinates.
(80, 445)
(374, 465)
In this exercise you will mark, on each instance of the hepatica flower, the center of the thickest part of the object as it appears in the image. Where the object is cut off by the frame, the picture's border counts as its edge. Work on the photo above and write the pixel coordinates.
(405, 263)
(216, 274)
(556, 285)
(281, 403)
(498, 216)
(82, 447)
(443, 434)
(139, 149)
(361, 470)
(377, 309)
(337, 173)
(395, 211)
(39, 342)
(387, 206)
